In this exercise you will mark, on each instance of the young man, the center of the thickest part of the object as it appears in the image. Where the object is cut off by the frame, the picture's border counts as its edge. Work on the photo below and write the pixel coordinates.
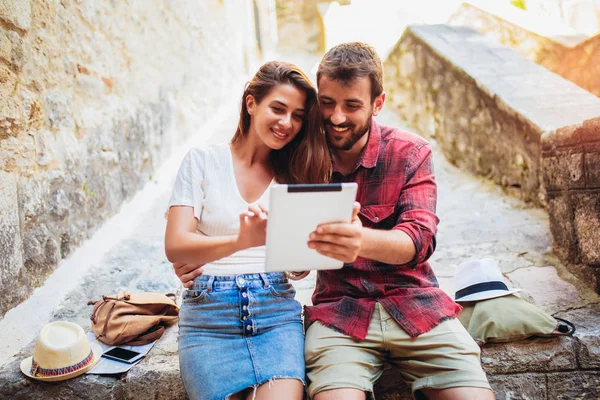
(385, 304)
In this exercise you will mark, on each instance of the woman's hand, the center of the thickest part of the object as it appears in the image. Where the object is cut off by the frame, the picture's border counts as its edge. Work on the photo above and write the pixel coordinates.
(253, 227)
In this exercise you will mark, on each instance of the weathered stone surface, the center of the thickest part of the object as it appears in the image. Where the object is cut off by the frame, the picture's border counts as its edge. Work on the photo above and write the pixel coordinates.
(11, 117)
(16, 12)
(11, 260)
(87, 112)
(587, 322)
(487, 91)
(519, 386)
(532, 355)
(564, 170)
(587, 225)
(543, 40)
(582, 385)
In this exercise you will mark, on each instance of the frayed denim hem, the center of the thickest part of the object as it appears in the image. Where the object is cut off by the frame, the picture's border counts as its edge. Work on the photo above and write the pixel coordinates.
(269, 382)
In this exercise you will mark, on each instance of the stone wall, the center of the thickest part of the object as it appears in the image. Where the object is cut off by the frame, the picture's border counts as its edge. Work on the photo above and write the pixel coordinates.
(571, 165)
(495, 113)
(543, 40)
(485, 105)
(93, 96)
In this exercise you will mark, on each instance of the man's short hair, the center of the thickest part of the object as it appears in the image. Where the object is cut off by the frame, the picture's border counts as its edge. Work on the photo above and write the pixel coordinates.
(348, 61)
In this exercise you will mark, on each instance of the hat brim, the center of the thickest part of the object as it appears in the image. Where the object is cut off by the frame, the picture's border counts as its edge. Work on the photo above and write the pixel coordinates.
(26, 367)
(488, 294)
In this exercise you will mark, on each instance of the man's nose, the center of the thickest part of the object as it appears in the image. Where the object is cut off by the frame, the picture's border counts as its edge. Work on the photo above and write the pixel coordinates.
(338, 116)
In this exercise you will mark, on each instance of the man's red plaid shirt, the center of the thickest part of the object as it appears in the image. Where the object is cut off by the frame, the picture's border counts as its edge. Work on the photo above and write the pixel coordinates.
(397, 190)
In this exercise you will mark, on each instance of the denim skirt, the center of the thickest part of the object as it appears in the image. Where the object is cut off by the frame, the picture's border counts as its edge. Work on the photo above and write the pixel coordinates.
(238, 332)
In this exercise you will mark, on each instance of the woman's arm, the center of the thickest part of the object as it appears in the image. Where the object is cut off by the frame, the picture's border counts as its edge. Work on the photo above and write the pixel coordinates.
(184, 245)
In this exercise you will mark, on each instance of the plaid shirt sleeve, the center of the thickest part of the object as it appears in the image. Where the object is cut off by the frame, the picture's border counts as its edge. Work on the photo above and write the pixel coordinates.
(418, 202)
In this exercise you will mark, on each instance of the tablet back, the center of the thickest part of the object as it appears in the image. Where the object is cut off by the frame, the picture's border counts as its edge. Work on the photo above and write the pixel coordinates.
(294, 212)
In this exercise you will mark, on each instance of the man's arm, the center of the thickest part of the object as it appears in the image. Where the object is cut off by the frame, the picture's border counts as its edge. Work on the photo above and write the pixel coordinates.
(412, 240)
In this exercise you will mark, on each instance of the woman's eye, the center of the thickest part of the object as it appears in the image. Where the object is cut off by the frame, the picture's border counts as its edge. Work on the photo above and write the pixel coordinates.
(299, 116)
(277, 109)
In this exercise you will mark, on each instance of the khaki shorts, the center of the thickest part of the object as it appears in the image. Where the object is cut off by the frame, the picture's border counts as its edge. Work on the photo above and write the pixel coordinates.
(442, 358)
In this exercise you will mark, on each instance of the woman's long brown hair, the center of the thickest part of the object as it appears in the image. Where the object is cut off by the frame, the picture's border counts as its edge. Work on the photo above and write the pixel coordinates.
(306, 158)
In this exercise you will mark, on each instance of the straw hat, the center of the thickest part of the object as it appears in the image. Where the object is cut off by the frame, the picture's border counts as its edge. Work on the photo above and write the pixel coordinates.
(480, 280)
(61, 351)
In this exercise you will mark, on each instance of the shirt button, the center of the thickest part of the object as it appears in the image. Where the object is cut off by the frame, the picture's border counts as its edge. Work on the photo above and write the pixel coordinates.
(376, 219)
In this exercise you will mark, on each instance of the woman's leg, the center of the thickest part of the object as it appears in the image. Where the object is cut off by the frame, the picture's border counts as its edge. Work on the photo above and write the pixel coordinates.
(277, 389)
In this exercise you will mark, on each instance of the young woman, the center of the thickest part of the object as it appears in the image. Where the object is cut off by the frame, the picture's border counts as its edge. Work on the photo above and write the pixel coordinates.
(240, 330)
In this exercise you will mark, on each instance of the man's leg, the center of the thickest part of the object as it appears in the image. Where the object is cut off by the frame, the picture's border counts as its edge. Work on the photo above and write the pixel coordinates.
(340, 367)
(440, 364)
(459, 393)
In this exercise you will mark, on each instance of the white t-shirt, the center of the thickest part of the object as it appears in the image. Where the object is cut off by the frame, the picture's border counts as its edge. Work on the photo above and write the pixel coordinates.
(206, 182)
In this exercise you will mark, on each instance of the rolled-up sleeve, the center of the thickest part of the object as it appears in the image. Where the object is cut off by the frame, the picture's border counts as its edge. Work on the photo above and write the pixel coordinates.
(417, 202)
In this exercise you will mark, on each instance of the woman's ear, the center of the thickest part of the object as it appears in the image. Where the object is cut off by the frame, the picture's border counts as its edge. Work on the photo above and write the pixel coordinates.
(250, 104)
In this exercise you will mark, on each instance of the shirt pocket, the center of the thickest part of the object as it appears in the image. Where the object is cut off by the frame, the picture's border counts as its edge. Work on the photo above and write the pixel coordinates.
(377, 216)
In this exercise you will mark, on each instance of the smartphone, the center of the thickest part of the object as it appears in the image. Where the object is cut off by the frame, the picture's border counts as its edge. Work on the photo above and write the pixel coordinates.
(124, 355)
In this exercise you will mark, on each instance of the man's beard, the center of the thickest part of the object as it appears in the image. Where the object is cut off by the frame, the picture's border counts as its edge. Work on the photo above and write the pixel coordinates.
(355, 134)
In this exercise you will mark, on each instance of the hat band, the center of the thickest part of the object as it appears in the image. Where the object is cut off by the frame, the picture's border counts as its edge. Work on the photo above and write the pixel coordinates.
(480, 287)
(36, 370)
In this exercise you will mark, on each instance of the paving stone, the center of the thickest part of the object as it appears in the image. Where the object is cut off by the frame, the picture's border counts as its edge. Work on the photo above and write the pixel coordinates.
(531, 355)
(519, 386)
(582, 385)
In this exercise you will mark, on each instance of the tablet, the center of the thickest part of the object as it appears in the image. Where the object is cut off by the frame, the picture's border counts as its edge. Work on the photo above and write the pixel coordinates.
(294, 212)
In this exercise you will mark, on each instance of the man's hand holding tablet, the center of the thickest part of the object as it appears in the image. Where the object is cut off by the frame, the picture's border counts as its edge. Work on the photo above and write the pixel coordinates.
(339, 240)
(312, 227)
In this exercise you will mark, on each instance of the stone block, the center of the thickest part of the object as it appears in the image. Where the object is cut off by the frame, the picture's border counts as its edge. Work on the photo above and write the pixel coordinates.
(564, 238)
(5, 46)
(518, 386)
(11, 108)
(590, 129)
(16, 12)
(587, 225)
(580, 385)
(532, 355)
(564, 170)
(589, 350)
(592, 170)
(587, 322)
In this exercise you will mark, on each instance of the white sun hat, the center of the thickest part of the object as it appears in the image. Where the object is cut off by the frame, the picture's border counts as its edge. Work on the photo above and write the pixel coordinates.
(480, 280)
(61, 351)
